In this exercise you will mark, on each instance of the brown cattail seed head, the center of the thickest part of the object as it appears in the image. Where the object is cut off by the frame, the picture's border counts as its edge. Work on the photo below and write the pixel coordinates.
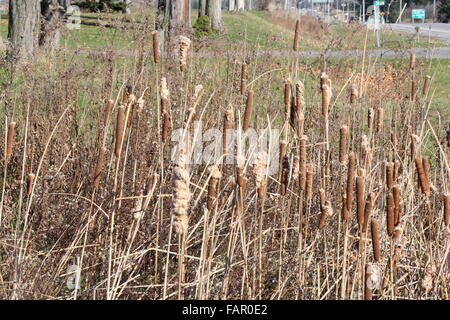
(309, 180)
(380, 119)
(299, 99)
(10, 140)
(360, 203)
(260, 170)
(375, 240)
(390, 214)
(396, 195)
(212, 188)
(389, 167)
(327, 211)
(227, 127)
(248, 111)
(412, 61)
(423, 179)
(350, 180)
(243, 78)
(296, 35)
(184, 44)
(342, 144)
(447, 210)
(119, 130)
(353, 94)
(108, 110)
(326, 94)
(155, 46)
(98, 167)
(370, 117)
(426, 85)
(367, 211)
(30, 180)
(373, 279)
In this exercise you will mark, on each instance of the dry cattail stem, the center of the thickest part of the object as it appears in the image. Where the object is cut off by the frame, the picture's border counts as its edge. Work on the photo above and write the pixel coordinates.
(390, 214)
(350, 180)
(365, 150)
(413, 89)
(259, 171)
(212, 187)
(181, 193)
(360, 202)
(414, 140)
(297, 34)
(248, 111)
(184, 44)
(367, 211)
(342, 144)
(389, 167)
(394, 140)
(423, 179)
(98, 167)
(380, 119)
(309, 181)
(227, 127)
(375, 239)
(155, 46)
(353, 94)
(30, 180)
(447, 210)
(396, 170)
(287, 96)
(303, 169)
(396, 194)
(119, 130)
(10, 140)
(243, 78)
(426, 85)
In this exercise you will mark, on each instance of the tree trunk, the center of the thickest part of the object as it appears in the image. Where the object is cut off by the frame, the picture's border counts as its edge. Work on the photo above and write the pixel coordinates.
(65, 4)
(240, 5)
(52, 20)
(202, 7)
(160, 24)
(23, 28)
(179, 14)
(214, 12)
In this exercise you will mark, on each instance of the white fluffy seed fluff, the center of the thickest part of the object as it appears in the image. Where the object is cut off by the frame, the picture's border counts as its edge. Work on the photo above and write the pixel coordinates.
(164, 89)
(181, 193)
(184, 43)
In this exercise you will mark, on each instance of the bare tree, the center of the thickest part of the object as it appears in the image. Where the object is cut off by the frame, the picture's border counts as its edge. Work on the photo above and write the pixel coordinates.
(240, 5)
(214, 11)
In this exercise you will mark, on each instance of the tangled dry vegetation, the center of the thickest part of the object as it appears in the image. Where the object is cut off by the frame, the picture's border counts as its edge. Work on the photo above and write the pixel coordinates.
(94, 207)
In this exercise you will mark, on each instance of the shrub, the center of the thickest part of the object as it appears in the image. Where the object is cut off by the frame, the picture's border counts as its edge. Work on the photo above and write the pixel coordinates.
(202, 26)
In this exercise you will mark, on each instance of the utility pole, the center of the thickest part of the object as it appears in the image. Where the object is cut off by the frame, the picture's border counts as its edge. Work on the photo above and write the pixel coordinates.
(401, 7)
(364, 11)
(434, 10)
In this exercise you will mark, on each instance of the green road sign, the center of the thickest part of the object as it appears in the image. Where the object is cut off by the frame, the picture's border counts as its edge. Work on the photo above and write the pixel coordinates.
(418, 14)
(378, 3)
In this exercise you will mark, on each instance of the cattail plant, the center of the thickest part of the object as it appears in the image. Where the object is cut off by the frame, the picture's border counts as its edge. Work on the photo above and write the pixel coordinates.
(10, 140)
(344, 211)
(370, 118)
(380, 119)
(299, 107)
(248, 111)
(389, 168)
(302, 167)
(360, 202)
(372, 280)
(30, 180)
(326, 94)
(353, 94)
(375, 239)
(108, 110)
(215, 174)
(165, 108)
(259, 170)
(184, 43)
(98, 168)
(309, 181)
(350, 180)
(414, 141)
(367, 211)
(412, 61)
(119, 131)
(181, 192)
(296, 35)
(423, 179)
(155, 46)
(227, 127)
(394, 140)
(426, 85)
(326, 211)
(390, 214)
(447, 210)
(396, 194)
(396, 170)
(342, 144)
(365, 150)
(243, 78)
(285, 169)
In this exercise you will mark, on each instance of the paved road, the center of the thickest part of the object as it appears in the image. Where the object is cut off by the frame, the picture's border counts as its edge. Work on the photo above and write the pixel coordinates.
(435, 30)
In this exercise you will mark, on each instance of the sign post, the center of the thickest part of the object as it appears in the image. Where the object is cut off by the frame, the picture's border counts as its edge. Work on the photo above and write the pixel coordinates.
(418, 14)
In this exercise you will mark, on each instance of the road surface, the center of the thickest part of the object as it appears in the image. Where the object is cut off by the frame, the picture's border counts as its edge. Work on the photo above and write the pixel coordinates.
(434, 30)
